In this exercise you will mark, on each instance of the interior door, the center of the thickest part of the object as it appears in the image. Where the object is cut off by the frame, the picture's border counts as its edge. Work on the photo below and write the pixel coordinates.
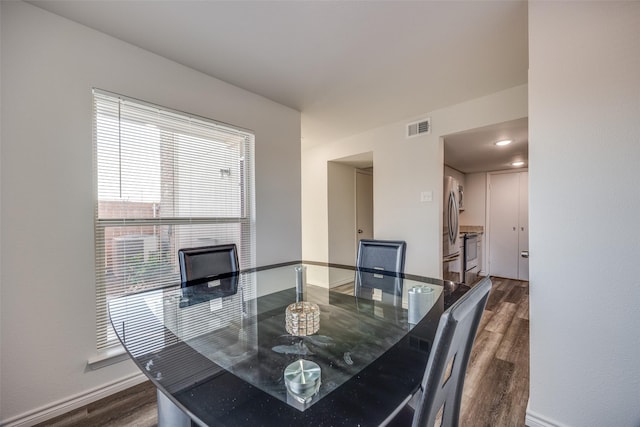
(364, 205)
(503, 225)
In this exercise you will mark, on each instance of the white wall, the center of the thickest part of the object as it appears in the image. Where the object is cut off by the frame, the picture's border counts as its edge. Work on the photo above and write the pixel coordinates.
(49, 66)
(402, 169)
(584, 154)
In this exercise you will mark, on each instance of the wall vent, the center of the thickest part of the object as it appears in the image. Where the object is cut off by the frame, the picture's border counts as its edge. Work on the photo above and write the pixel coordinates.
(421, 127)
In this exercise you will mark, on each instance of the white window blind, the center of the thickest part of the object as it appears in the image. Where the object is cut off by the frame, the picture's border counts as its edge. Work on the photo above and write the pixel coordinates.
(165, 180)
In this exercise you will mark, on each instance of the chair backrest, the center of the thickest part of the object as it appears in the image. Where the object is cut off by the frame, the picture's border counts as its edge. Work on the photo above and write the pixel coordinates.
(444, 376)
(385, 255)
(379, 255)
(207, 261)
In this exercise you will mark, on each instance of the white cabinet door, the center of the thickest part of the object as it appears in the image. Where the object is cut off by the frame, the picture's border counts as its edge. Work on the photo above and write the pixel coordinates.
(508, 225)
(523, 231)
(503, 225)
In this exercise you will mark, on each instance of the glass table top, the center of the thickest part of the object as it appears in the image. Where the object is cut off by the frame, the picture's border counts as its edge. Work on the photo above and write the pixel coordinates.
(184, 337)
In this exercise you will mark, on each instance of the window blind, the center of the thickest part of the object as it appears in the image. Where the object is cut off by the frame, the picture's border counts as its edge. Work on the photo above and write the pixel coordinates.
(164, 180)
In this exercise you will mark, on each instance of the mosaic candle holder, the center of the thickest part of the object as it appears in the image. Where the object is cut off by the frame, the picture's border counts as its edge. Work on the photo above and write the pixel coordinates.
(302, 318)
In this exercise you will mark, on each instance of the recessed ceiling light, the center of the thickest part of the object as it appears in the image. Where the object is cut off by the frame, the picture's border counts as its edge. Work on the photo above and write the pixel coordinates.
(504, 142)
(517, 163)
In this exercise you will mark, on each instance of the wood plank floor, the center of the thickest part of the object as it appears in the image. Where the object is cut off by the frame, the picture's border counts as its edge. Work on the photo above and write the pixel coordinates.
(497, 382)
(135, 406)
(496, 385)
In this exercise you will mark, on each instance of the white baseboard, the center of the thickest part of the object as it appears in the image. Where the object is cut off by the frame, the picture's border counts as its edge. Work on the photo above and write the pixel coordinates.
(532, 419)
(70, 403)
(340, 282)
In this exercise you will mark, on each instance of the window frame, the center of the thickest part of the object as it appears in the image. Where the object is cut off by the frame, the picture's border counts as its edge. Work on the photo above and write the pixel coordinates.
(105, 338)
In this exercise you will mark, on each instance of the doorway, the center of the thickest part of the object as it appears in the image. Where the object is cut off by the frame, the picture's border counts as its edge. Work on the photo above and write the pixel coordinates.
(364, 204)
(476, 155)
(350, 205)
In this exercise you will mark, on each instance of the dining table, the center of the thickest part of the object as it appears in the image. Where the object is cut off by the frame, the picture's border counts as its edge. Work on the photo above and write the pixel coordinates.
(296, 343)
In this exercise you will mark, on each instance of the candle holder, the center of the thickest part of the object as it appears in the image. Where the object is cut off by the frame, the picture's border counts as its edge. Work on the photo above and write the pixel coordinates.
(302, 379)
(421, 299)
(302, 318)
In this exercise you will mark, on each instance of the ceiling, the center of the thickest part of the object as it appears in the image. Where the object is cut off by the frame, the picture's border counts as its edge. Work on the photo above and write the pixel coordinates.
(475, 150)
(347, 66)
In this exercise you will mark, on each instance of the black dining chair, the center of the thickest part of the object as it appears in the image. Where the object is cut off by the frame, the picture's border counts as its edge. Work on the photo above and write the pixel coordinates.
(441, 388)
(385, 255)
(207, 261)
(379, 255)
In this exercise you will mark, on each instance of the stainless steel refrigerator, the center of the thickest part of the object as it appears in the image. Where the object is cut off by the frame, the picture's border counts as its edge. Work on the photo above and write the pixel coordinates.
(451, 242)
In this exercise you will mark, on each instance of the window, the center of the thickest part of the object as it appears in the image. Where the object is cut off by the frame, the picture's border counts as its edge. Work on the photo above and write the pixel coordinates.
(165, 180)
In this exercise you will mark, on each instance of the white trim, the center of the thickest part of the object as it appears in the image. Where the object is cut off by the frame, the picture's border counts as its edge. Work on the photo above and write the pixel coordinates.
(70, 403)
(106, 357)
(340, 282)
(333, 283)
(532, 419)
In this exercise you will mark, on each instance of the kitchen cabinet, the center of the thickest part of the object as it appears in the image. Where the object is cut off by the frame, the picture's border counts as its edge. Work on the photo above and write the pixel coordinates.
(508, 225)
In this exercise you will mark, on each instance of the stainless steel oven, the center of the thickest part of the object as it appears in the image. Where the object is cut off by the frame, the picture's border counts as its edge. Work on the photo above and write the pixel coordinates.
(471, 268)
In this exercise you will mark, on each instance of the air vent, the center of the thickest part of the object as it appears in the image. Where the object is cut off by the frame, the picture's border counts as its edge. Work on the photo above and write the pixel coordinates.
(421, 127)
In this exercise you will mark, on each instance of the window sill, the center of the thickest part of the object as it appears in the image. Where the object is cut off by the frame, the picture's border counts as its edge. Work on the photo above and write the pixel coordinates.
(107, 357)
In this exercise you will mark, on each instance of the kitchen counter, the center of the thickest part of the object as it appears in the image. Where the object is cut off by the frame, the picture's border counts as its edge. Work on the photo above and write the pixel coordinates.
(471, 229)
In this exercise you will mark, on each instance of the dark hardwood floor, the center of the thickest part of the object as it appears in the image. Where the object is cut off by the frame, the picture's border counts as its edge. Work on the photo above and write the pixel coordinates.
(496, 385)
(135, 406)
